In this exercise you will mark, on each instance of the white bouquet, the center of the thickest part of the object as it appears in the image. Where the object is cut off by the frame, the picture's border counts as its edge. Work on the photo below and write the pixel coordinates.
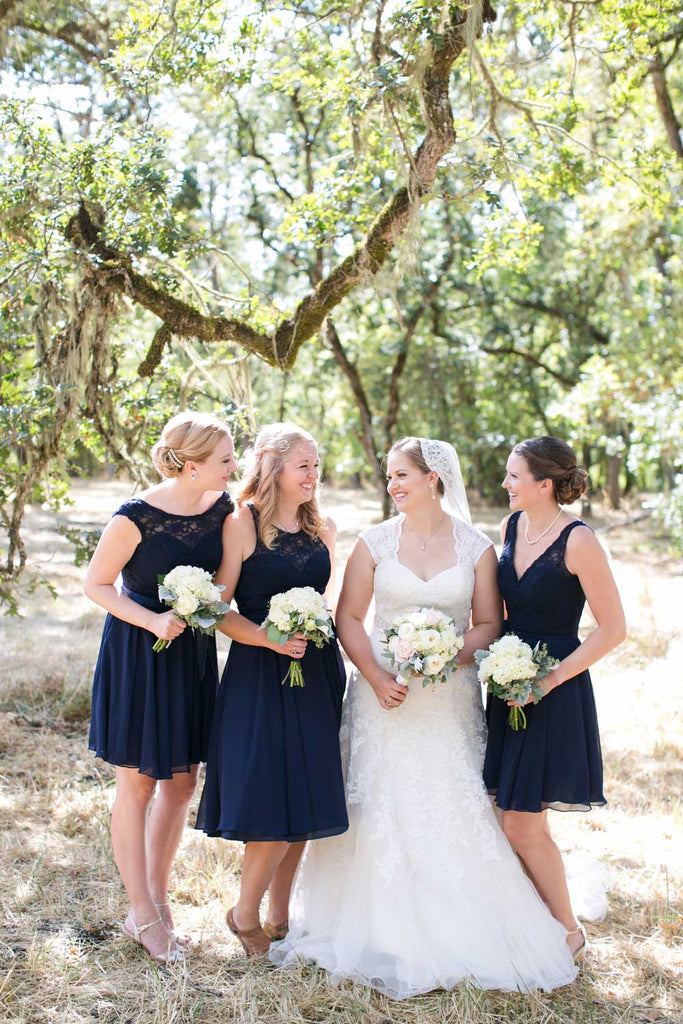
(299, 610)
(193, 596)
(422, 644)
(512, 670)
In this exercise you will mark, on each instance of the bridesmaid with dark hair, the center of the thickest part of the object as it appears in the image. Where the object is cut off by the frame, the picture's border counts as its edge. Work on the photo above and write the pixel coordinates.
(151, 713)
(551, 564)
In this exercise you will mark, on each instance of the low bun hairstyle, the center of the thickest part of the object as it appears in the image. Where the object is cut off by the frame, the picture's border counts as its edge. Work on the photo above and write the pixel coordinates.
(412, 447)
(187, 437)
(549, 458)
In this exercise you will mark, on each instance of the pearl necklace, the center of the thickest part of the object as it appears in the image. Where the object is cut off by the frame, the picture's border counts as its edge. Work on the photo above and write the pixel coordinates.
(541, 535)
(423, 543)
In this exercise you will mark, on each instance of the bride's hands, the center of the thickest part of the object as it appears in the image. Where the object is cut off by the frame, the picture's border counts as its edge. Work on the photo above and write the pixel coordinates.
(389, 692)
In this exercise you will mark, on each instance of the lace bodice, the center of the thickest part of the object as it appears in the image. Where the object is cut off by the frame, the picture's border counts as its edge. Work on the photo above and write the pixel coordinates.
(547, 599)
(169, 540)
(398, 588)
(295, 560)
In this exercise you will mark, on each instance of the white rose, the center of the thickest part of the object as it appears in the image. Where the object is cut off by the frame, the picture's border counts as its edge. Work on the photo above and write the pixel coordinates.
(433, 664)
(186, 604)
(406, 631)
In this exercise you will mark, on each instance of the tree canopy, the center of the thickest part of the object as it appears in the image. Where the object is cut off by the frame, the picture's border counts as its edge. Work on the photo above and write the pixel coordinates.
(460, 219)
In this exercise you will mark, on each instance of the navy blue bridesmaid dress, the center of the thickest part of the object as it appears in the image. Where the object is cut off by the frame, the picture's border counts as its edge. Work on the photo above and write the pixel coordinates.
(274, 767)
(153, 711)
(556, 761)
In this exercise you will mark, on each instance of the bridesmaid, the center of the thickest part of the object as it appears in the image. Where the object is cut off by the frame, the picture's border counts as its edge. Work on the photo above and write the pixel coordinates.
(551, 564)
(273, 775)
(151, 713)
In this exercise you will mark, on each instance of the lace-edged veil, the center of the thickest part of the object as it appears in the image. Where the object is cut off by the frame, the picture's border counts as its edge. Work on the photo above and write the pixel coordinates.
(442, 458)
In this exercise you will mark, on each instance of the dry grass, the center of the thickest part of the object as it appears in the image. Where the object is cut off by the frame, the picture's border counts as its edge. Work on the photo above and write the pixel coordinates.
(62, 958)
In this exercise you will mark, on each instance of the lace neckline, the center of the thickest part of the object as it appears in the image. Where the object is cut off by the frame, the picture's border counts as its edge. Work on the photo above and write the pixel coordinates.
(399, 530)
(538, 558)
(179, 515)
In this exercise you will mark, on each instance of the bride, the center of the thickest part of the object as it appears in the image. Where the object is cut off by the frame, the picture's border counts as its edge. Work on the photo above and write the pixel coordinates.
(423, 891)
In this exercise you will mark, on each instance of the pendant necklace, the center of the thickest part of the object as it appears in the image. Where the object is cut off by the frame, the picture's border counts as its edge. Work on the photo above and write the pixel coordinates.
(541, 535)
(423, 543)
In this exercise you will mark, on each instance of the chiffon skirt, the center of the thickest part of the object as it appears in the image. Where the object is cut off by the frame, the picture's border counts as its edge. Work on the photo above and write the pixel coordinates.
(152, 711)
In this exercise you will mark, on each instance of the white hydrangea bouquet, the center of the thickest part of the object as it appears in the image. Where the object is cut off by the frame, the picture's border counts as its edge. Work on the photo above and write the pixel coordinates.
(512, 670)
(193, 596)
(299, 610)
(422, 644)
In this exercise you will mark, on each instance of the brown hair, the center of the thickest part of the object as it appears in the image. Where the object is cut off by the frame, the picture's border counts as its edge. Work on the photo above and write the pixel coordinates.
(412, 447)
(187, 437)
(271, 449)
(549, 458)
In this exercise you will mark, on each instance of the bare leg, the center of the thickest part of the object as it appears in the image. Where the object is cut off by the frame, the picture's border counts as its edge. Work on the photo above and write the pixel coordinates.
(281, 885)
(529, 835)
(134, 793)
(166, 823)
(260, 863)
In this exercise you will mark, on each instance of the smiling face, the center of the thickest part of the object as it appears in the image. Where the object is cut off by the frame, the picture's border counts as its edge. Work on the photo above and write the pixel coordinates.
(299, 477)
(523, 489)
(215, 470)
(407, 485)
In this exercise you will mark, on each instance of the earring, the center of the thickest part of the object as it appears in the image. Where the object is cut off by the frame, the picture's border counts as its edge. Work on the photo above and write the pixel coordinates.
(433, 494)
(194, 476)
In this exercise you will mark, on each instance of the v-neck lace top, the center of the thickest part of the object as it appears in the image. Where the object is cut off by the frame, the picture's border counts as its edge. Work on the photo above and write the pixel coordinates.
(547, 598)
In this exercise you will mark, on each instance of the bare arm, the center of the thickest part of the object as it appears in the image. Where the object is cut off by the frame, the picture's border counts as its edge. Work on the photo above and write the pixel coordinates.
(586, 558)
(354, 601)
(115, 548)
(487, 608)
(239, 541)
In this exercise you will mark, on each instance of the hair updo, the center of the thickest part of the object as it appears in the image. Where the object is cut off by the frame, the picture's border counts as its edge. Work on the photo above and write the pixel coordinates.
(549, 458)
(412, 447)
(187, 437)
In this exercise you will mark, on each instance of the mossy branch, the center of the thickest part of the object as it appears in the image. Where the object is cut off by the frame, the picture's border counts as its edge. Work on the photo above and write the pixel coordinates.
(282, 346)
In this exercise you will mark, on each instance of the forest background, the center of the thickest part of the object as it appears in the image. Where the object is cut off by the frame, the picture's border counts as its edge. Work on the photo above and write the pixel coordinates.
(459, 220)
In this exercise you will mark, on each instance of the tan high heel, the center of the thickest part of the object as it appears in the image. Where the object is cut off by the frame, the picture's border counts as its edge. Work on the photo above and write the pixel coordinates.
(171, 956)
(254, 941)
(276, 932)
(579, 953)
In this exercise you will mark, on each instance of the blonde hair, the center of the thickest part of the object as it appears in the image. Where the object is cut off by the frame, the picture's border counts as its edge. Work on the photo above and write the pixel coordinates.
(187, 437)
(272, 447)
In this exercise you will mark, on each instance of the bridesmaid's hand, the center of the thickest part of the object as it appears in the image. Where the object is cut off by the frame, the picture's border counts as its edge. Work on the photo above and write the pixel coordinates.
(294, 648)
(548, 683)
(167, 625)
(389, 692)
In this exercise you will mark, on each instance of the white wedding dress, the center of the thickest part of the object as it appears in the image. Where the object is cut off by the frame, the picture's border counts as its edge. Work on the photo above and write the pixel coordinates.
(424, 890)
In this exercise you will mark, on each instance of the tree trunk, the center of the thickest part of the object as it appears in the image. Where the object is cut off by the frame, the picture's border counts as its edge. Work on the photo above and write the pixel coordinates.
(613, 489)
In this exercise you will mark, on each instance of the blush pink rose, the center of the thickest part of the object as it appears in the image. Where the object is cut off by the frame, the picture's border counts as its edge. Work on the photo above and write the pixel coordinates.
(404, 650)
